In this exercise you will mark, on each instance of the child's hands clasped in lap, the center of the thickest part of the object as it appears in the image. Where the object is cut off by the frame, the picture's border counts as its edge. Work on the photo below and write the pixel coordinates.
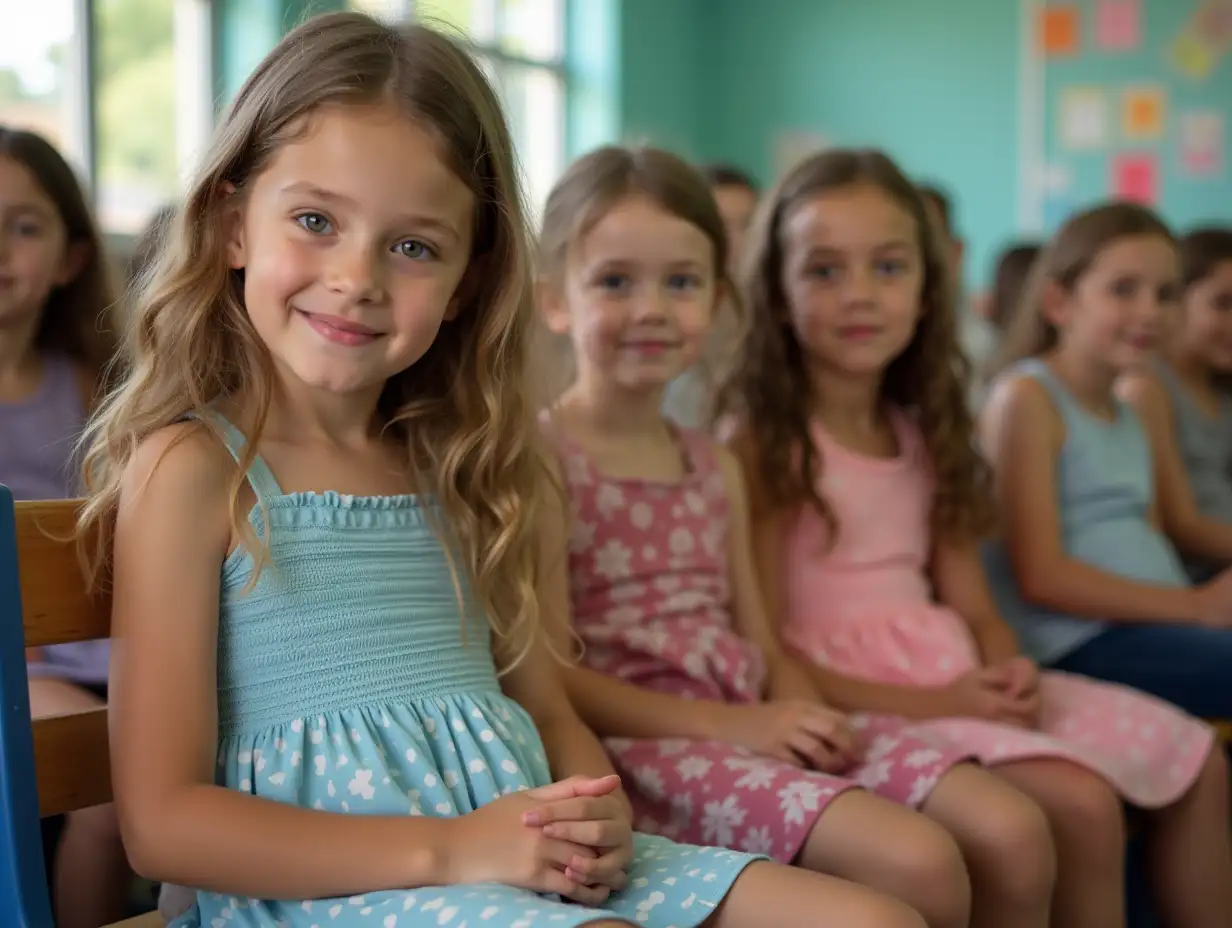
(509, 841)
(589, 814)
(800, 733)
(1006, 692)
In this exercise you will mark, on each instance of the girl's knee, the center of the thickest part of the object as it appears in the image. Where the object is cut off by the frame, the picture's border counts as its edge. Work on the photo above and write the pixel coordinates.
(884, 912)
(1085, 814)
(1011, 841)
(927, 868)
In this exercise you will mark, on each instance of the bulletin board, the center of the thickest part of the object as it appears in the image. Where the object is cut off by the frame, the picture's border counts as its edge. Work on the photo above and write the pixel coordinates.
(1137, 104)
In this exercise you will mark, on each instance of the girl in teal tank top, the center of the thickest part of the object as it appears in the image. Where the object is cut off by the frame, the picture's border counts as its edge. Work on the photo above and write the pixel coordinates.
(336, 554)
(1084, 568)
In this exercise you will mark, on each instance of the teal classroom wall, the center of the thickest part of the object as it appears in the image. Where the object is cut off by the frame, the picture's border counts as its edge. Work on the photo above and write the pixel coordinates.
(1185, 199)
(666, 73)
(934, 84)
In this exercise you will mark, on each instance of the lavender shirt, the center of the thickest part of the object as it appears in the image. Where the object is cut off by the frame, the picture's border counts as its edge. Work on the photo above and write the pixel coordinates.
(36, 462)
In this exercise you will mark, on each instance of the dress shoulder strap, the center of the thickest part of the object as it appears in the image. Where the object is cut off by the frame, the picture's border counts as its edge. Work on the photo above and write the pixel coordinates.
(259, 475)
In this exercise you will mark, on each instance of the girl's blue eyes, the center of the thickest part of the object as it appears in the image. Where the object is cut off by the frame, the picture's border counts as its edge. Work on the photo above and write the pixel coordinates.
(315, 223)
(318, 224)
(674, 282)
(884, 268)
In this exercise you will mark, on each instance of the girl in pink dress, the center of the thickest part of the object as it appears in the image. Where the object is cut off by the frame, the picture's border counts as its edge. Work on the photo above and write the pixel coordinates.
(868, 500)
(720, 737)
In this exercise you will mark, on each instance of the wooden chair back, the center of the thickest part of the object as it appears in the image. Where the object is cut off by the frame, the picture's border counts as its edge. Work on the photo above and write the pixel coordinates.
(60, 763)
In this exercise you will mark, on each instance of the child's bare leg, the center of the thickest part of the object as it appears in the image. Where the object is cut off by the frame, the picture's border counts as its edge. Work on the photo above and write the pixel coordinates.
(1088, 830)
(894, 850)
(1005, 839)
(1191, 857)
(92, 879)
(787, 897)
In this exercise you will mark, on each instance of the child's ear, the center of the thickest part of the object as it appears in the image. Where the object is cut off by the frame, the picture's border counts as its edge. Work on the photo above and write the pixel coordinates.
(553, 308)
(1054, 303)
(233, 226)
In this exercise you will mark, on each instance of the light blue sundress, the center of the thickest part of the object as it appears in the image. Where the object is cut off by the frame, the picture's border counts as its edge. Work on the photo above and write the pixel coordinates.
(344, 684)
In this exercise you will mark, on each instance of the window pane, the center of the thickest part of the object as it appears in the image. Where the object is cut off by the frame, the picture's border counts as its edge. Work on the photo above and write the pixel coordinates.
(476, 19)
(391, 11)
(533, 28)
(534, 100)
(136, 111)
(39, 81)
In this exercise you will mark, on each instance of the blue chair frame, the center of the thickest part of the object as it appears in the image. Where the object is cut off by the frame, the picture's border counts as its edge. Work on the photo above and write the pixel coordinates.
(24, 901)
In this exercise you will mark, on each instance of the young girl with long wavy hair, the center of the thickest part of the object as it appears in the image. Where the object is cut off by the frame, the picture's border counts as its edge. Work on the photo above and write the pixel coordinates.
(719, 732)
(332, 537)
(870, 499)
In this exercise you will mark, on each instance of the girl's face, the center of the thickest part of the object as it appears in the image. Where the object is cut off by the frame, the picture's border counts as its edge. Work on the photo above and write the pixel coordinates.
(1206, 329)
(353, 241)
(1115, 313)
(638, 295)
(35, 255)
(853, 275)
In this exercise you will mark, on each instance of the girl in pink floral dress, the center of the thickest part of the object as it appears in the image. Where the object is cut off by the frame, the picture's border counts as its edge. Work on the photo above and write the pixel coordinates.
(720, 737)
(869, 498)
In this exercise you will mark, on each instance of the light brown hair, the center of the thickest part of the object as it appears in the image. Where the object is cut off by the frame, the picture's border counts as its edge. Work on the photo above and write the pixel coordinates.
(460, 409)
(76, 317)
(1202, 251)
(1008, 282)
(1067, 256)
(768, 392)
(598, 181)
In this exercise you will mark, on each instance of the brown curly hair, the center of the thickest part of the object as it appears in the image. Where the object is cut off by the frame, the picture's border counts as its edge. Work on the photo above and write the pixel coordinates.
(767, 393)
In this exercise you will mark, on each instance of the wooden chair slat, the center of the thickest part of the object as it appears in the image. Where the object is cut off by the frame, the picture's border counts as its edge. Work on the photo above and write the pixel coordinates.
(56, 608)
(150, 920)
(71, 761)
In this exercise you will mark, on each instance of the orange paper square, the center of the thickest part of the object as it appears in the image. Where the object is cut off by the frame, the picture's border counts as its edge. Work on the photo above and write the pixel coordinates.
(1143, 113)
(1058, 31)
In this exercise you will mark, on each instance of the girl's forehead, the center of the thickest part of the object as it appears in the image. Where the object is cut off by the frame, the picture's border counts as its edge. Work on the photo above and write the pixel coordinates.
(637, 225)
(369, 154)
(1146, 253)
(854, 214)
(20, 188)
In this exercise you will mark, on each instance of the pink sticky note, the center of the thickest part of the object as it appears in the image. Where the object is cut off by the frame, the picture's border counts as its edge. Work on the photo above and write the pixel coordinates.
(1118, 24)
(1135, 177)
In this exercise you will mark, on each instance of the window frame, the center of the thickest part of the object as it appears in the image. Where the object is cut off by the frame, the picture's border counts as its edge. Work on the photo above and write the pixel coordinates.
(82, 89)
(490, 54)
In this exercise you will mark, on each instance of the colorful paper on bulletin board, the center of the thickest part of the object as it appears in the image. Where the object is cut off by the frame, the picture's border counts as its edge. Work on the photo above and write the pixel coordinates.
(1056, 31)
(1214, 22)
(1142, 113)
(1083, 112)
(1118, 25)
(1202, 143)
(1193, 55)
(1135, 177)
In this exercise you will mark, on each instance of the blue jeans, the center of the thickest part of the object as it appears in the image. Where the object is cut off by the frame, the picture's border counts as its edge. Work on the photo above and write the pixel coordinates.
(1186, 665)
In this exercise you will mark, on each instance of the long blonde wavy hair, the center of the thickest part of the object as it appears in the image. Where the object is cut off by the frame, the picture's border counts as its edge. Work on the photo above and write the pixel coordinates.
(768, 391)
(462, 409)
